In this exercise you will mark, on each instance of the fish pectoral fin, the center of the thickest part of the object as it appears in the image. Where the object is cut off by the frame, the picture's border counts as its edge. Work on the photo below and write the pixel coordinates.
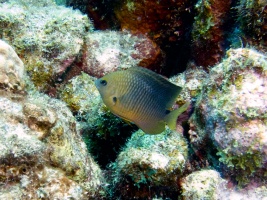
(152, 128)
(171, 117)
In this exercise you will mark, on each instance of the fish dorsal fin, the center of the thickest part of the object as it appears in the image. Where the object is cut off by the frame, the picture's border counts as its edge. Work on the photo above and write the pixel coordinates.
(165, 90)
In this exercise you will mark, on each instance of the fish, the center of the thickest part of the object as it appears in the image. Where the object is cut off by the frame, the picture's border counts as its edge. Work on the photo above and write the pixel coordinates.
(141, 96)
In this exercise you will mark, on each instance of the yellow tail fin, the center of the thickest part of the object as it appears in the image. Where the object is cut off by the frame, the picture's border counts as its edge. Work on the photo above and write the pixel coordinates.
(171, 118)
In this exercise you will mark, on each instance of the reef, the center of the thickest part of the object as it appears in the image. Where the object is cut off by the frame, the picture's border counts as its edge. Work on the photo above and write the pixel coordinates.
(59, 141)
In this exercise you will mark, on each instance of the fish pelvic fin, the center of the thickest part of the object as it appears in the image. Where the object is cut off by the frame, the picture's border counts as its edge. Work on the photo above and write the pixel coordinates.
(171, 117)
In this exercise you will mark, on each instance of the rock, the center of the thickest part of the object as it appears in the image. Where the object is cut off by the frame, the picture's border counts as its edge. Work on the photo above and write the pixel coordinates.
(108, 51)
(208, 184)
(191, 82)
(231, 113)
(48, 38)
(150, 160)
(42, 154)
(204, 184)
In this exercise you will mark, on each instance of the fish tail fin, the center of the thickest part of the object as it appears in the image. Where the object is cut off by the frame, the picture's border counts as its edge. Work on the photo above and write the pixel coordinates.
(171, 118)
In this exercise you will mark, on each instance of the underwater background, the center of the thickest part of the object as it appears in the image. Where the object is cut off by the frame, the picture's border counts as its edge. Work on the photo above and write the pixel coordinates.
(58, 140)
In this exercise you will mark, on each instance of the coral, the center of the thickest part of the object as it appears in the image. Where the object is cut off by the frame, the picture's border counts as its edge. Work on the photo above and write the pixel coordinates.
(208, 32)
(108, 51)
(48, 38)
(204, 184)
(41, 153)
(151, 160)
(231, 112)
(11, 69)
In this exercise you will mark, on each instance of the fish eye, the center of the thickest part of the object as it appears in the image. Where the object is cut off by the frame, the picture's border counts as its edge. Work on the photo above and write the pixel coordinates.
(103, 82)
(167, 112)
(114, 99)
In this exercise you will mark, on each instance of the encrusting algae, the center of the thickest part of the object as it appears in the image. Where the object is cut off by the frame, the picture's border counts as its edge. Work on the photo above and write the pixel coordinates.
(141, 96)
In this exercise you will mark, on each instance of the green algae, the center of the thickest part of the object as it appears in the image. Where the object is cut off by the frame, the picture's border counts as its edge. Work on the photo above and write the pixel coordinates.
(39, 73)
(203, 21)
(246, 164)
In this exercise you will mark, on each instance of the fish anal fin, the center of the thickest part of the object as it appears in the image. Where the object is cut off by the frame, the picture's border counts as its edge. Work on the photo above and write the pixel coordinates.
(152, 128)
(171, 117)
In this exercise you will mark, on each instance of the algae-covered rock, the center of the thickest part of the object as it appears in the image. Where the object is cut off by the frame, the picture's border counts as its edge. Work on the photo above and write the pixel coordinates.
(42, 155)
(48, 38)
(150, 161)
(81, 95)
(204, 184)
(108, 51)
(191, 81)
(208, 184)
(232, 114)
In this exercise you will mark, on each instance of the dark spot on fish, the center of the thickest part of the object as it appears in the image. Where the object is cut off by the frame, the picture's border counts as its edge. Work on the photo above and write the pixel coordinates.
(167, 112)
(103, 82)
(114, 99)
